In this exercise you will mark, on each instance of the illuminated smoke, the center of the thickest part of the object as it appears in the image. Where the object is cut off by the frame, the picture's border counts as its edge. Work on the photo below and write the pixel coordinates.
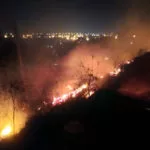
(90, 60)
(82, 66)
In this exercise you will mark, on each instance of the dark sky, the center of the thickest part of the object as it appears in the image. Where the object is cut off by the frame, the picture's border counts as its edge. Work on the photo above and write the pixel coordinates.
(64, 15)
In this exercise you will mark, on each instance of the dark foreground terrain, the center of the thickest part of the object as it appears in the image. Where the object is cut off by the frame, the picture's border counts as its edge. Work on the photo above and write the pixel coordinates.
(107, 119)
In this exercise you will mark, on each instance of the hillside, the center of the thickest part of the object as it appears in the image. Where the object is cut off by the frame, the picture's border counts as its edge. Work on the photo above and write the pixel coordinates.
(106, 117)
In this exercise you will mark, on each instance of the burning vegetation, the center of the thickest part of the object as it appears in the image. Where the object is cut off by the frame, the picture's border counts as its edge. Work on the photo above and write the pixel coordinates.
(13, 116)
(82, 75)
(85, 70)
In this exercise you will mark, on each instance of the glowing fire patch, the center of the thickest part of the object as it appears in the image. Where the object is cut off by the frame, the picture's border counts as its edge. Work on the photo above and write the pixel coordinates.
(11, 122)
(72, 94)
(6, 131)
(115, 72)
(89, 94)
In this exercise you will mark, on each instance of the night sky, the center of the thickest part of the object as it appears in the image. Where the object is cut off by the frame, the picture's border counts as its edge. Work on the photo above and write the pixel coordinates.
(67, 15)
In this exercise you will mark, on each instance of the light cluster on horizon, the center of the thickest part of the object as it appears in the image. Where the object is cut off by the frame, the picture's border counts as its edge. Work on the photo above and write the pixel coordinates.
(66, 36)
(70, 36)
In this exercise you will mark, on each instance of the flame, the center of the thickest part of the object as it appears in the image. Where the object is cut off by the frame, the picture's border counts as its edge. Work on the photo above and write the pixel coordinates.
(11, 121)
(72, 94)
(115, 72)
(6, 131)
(89, 94)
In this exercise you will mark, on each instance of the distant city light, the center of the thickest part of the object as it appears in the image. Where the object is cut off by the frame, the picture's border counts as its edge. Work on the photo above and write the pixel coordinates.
(69, 36)
(87, 39)
(26, 36)
(5, 36)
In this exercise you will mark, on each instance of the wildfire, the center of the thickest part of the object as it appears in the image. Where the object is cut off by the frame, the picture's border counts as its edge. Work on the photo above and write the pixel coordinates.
(85, 88)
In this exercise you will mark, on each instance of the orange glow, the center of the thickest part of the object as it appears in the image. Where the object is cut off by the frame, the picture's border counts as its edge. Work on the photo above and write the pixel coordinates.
(84, 89)
(72, 94)
(8, 123)
(115, 72)
(7, 131)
